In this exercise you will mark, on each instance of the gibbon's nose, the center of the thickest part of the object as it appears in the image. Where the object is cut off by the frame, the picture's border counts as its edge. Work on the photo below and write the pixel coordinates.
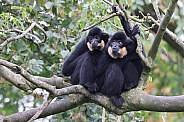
(94, 44)
(115, 47)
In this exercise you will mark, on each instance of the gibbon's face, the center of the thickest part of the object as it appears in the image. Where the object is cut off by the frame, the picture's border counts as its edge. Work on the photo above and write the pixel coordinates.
(116, 45)
(95, 43)
(94, 39)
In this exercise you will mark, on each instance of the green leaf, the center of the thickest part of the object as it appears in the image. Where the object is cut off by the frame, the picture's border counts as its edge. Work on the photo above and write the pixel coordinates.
(36, 66)
(54, 10)
(22, 1)
(37, 8)
(48, 5)
(67, 10)
(52, 51)
(10, 1)
(65, 53)
(66, 22)
(16, 57)
(116, 20)
(49, 34)
(56, 35)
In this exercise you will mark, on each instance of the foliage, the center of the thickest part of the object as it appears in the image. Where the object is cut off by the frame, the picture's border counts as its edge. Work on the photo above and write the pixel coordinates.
(63, 21)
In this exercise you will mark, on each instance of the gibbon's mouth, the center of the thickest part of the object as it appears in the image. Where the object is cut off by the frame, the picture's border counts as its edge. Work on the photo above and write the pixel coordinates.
(98, 46)
(117, 53)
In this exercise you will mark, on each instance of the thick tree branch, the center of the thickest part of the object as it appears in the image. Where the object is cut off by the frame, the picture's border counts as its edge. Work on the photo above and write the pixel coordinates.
(97, 98)
(16, 79)
(143, 101)
(161, 30)
(54, 108)
(135, 100)
(41, 109)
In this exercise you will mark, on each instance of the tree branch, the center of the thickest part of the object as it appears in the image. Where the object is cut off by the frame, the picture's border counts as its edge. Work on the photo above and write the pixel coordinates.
(101, 20)
(54, 108)
(75, 89)
(41, 109)
(16, 79)
(135, 100)
(17, 37)
(33, 24)
(170, 10)
(176, 41)
(146, 102)
(20, 31)
(156, 9)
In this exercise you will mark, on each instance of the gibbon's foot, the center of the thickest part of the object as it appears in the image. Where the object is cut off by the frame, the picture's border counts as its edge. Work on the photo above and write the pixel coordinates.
(117, 100)
(91, 87)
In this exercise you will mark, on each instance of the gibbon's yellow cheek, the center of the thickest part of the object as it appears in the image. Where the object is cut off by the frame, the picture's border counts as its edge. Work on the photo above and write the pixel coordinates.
(102, 45)
(89, 46)
(123, 52)
(110, 52)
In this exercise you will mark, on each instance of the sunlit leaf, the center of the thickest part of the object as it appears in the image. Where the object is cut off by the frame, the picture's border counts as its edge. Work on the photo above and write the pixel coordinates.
(65, 53)
(49, 5)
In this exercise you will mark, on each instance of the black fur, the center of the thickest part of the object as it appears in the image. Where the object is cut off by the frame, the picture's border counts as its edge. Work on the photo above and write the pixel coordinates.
(71, 62)
(82, 63)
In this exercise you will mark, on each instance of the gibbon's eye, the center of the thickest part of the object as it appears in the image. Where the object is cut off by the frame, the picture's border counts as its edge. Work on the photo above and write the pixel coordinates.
(90, 38)
(97, 37)
(120, 42)
(114, 40)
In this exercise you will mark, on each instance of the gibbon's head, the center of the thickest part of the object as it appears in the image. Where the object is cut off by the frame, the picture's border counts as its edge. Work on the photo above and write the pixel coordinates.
(96, 39)
(117, 45)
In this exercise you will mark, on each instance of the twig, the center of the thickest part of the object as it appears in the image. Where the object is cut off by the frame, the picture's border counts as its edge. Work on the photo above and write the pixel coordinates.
(103, 114)
(102, 20)
(123, 9)
(119, 28)
(147, 61)
(122, 12)
(20, 31)
(161, 10)
(17, 37)
(148, 28)
(41, 29)
(41, 109)
(33, 24)
(108, 2)
(170, 33)
(156, 9)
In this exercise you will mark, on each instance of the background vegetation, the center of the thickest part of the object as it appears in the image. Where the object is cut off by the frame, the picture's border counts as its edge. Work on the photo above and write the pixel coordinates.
(63, 21)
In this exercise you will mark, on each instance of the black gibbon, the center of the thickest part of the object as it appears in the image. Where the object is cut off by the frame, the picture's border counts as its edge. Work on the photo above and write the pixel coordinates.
(82, 62)
(120, 66)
